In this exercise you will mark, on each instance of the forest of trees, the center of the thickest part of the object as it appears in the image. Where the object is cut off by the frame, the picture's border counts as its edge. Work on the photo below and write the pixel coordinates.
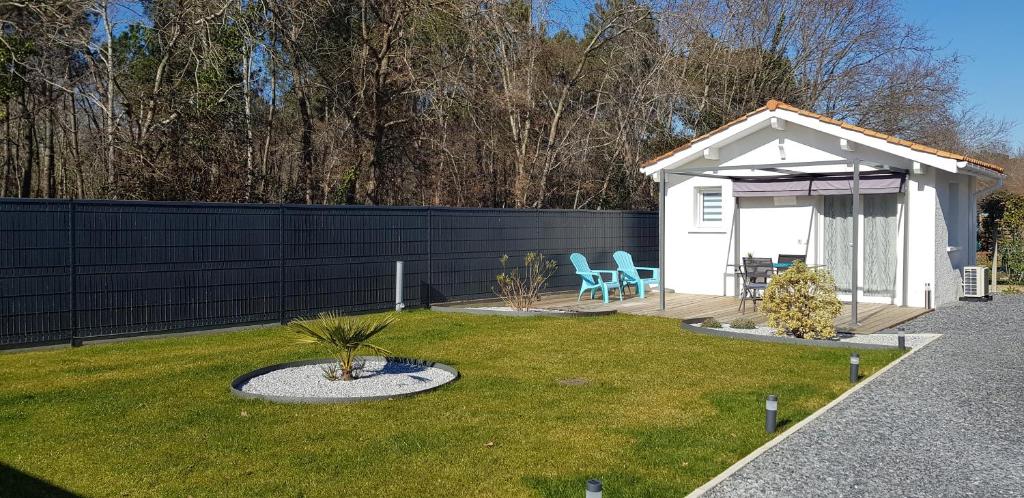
(447, 102)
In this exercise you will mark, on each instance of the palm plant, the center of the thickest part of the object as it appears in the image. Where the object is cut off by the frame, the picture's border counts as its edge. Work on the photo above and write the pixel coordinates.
(342, 336)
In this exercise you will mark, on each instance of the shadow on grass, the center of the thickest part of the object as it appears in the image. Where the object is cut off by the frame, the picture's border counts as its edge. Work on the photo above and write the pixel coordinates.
(14, 482)
(782, 424)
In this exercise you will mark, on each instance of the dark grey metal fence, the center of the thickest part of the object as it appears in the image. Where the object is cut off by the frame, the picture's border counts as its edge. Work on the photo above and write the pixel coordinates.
(74, 270)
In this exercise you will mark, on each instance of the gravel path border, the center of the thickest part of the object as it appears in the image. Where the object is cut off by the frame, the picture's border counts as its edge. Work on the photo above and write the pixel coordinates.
(884, 339)
(689, 327)
(302, 381)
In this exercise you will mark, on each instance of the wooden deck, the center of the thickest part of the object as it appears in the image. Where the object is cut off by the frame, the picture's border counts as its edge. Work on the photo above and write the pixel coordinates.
(689, 307)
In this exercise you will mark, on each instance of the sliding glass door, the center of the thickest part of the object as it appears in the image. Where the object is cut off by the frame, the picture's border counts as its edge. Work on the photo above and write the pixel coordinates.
(878, 244)
(838, 234)
(880, 233)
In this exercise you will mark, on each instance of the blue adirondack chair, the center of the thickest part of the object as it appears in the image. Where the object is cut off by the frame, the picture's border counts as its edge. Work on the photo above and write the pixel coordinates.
(631, 273)
(592, 279)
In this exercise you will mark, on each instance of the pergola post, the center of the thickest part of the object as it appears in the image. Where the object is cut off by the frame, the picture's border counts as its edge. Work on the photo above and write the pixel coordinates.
(856, 242)
(662, 190)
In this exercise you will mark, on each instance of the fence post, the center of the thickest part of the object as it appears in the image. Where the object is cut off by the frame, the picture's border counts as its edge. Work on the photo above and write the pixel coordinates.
(72, 275)
(280, 240)
(430, 253)
(399, 285)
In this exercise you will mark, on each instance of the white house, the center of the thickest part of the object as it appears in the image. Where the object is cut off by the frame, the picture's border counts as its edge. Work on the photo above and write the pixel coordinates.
(780, 180)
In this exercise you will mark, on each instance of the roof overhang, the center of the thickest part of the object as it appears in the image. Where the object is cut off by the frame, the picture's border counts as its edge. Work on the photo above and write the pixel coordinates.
(850, 137)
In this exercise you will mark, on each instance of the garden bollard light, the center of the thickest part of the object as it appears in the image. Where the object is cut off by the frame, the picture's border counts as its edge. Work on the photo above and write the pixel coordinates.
(399, 267)
(593, 488)
(854, 368)
(771, 409)
(901, 340)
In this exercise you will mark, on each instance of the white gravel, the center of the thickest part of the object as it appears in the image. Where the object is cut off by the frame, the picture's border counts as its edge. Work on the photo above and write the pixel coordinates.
(376, 377)
(886, 339)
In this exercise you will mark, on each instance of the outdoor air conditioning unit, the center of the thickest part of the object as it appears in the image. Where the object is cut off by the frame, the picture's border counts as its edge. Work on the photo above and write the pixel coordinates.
(975, 284)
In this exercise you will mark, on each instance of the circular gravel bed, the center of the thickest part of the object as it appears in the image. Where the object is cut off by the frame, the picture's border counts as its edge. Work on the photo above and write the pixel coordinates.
(377, 378)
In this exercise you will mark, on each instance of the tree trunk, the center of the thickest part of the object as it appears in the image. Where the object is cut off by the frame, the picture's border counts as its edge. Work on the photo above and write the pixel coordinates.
(30, 147)
(247, 99)
(109, 111)
(264, 167)
(51, 156)
(7, 150)
(76, 150)
(307, 145)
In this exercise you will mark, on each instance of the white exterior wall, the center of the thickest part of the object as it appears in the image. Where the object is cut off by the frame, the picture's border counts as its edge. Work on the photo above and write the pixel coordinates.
(768, 229)
(696, 257)
(920, 221)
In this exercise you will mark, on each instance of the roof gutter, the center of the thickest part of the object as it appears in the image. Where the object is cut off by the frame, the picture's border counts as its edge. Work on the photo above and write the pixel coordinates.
(975, 170)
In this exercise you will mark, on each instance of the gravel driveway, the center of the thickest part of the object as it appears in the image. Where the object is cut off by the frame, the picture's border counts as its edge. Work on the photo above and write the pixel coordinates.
(947, 421)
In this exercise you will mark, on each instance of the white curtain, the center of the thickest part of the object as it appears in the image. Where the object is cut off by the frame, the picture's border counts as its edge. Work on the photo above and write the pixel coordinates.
(838, 231)
(880, 231)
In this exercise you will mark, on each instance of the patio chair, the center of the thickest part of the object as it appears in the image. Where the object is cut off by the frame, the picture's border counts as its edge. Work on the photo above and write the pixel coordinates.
(631, 272)
(787, 260)
(592, 279)
(756, 272)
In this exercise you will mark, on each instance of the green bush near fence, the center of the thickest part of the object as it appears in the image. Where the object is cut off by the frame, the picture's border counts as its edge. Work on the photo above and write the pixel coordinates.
(539, 409)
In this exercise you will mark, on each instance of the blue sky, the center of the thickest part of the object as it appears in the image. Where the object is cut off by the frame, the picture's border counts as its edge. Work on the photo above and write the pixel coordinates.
(987, 34)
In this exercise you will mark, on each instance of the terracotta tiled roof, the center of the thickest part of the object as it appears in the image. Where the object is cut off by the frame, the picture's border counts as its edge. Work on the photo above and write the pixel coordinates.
(775, 104)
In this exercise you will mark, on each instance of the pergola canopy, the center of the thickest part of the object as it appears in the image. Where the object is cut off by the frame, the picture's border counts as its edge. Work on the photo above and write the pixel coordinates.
(824, 184)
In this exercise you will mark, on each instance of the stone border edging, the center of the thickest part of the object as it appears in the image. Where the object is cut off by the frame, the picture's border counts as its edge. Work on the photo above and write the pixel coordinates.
(743, 462)
(461, 308)
(236, 385)
(781, 339)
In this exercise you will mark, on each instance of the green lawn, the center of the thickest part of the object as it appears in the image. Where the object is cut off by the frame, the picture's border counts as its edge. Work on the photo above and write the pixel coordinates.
(663, 412)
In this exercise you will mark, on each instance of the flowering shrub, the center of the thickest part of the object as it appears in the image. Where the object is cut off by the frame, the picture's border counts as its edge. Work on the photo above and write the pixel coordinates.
(802, 302)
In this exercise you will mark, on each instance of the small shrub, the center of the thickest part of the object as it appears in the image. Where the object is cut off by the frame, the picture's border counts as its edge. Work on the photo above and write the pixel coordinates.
(342, 336)
(802, 302)
(711, 323)
(1012, 289)
(519, 290)
(743, 323)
